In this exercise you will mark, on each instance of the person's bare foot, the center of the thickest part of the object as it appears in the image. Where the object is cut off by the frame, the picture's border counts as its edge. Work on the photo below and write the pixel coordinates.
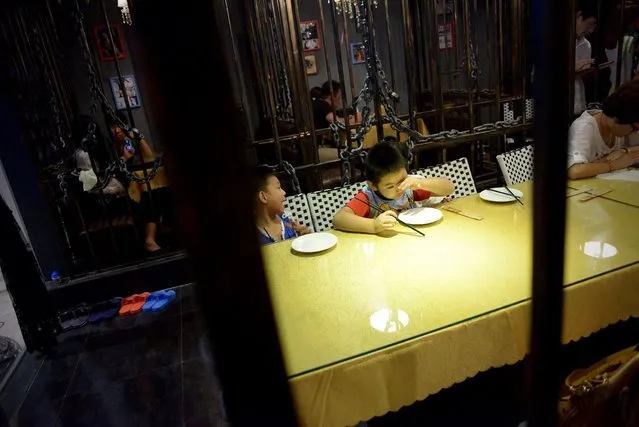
(151, 246)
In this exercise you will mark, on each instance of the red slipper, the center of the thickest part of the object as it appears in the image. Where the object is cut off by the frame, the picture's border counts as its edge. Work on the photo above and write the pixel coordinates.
(133, 304)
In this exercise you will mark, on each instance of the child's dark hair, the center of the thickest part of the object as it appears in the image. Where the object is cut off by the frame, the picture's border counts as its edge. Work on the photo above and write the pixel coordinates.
(262, 175)
(623, 104)
(384, 158)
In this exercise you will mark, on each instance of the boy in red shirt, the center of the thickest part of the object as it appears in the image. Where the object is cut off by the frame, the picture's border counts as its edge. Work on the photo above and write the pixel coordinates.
(390, 188)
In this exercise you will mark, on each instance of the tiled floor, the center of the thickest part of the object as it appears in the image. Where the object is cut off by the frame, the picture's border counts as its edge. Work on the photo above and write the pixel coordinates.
(144, 370)
(8, 319)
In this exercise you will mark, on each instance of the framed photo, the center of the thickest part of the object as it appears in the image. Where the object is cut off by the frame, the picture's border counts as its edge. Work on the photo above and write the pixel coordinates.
(106, 51)
(446, 36)
(130, 89)
(310, 65)
(358, 53)
(310, 35)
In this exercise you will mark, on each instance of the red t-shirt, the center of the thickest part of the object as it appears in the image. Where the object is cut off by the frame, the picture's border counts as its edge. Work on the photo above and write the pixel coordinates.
(361, 207)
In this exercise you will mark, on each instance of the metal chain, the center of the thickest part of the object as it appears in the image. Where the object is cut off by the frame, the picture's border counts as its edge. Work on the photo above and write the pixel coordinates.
(290, 170)
(475, 71)
(52, 101)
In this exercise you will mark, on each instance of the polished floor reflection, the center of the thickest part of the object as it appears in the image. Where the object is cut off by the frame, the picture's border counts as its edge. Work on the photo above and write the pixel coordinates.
(151, 369)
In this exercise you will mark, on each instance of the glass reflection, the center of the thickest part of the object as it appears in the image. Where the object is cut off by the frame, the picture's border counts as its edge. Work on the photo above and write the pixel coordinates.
(599, 249)
(389, 320)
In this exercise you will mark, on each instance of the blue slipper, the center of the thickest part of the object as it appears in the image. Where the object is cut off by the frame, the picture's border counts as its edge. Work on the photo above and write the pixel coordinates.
(113, 306)
(151, 300)
(105, 310)
(165, 299)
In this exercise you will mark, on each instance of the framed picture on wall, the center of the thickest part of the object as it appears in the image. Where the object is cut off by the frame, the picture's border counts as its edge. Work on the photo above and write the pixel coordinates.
(310, 35)
(358, 53)
(446, 36)
(106, 50)
(310, 65)
(130, 89)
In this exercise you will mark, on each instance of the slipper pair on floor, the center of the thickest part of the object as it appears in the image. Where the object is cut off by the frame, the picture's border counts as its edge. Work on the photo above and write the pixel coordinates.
(158, 300)
(146, 302)
(74, 318)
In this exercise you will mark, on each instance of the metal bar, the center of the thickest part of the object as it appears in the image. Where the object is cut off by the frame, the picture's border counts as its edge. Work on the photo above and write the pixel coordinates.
(553, 49)
(269, 82)
(250, 18)
(390, 58)
(469, 77)
(374, 78)
(433, 56)
(338, 52)
(456, 18)
(409, 48)
(620, 46)
(256, 393)
(340, 63)
(328, 73)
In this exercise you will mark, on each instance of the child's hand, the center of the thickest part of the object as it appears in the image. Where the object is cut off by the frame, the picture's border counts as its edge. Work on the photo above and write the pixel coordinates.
(385, 221)
(412, 183)
(300, 229)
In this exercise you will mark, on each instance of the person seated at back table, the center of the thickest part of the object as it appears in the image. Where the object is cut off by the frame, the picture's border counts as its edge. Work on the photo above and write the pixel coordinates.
(273, 227)
(154, 208)
(326, 98)
(388, 187)
(601, 141)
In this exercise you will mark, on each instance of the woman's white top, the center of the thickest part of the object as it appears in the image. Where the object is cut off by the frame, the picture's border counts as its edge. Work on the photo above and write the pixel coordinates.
(585, 144)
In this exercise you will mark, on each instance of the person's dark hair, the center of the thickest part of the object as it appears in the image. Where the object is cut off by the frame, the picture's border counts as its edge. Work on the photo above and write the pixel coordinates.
(588, 9)
(384, 158)
(623, 104)
(262, 175)
(329, 88)
(316, 92)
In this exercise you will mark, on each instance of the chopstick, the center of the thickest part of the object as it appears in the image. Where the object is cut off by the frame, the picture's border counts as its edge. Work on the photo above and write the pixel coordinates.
(380, 210)
(595, 194)
(506, 194)
(462, 213)
(576, 191)
(513, 194)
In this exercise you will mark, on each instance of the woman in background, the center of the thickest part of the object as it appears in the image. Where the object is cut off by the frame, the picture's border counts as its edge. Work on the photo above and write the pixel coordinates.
(606, 140)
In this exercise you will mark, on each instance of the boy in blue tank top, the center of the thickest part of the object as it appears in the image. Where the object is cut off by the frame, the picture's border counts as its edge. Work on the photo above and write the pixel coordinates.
(272, 226)
(388, 187)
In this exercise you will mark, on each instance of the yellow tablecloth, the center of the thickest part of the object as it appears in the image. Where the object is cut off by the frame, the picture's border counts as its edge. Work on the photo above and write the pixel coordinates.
(623, 191)
(459, 298)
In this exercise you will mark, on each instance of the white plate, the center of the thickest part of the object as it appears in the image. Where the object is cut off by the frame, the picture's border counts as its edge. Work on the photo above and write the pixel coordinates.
(314, 242)
(495, 196)
(421, 216)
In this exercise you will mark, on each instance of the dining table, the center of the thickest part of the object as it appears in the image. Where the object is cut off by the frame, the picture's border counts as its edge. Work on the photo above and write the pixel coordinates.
(379, 322)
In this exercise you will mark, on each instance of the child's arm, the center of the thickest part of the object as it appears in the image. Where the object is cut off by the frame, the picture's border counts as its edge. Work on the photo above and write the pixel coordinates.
(435, 186)
(346, 220)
